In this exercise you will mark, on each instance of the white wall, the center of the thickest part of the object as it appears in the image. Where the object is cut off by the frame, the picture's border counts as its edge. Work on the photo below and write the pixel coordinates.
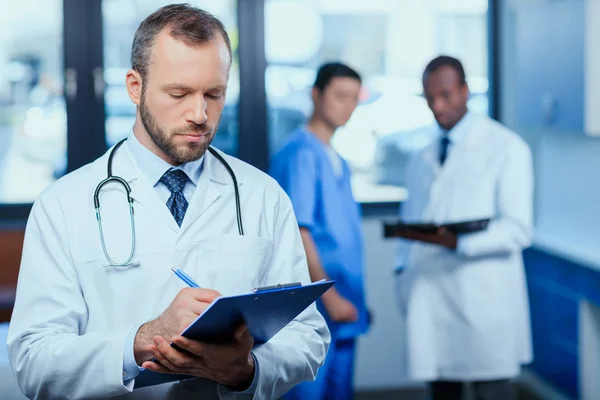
(566, 166)
(568, 206)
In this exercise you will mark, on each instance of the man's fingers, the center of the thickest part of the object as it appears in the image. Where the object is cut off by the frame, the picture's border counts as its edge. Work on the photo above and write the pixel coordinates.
(171, 358)
(155, 367)
(194, 347)
(160, 358)
(202, 295)
(197, 307)
(243, 336)
(241, 333)
(196, 300)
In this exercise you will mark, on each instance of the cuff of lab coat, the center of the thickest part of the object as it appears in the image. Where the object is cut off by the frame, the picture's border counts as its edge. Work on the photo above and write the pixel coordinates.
(471, 244)
(254, 384)
(462, 245)
(130, 368)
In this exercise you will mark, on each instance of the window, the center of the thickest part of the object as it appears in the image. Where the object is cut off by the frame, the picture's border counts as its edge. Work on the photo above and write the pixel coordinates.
(33, 120)
(62, 81)
(389, 42)
(121, 19)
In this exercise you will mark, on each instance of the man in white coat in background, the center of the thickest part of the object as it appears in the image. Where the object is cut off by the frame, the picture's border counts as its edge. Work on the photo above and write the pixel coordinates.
(86, 318)
(464, 296)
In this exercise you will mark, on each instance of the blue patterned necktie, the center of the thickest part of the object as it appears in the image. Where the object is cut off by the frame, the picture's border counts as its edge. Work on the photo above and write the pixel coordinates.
(444, 149)
(175, 180)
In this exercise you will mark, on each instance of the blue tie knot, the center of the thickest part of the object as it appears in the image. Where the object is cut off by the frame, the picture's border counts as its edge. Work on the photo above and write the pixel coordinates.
(174, 180)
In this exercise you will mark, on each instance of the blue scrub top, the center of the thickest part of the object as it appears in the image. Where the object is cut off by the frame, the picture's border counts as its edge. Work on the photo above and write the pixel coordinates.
(324, 204)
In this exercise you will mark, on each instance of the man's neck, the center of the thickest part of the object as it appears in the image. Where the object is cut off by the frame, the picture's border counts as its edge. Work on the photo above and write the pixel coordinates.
(458, 121)
(144, 138)
(323, 131)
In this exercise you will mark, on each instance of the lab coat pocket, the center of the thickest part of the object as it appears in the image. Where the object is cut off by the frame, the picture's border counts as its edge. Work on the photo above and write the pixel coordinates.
(242, 262)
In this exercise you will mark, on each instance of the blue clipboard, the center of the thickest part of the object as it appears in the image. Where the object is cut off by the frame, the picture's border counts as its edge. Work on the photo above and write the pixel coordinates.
(265, 311)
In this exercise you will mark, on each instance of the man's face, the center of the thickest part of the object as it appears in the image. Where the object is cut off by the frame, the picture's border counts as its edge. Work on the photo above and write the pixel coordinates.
(446, 96)
(182, 96)
(338, 100)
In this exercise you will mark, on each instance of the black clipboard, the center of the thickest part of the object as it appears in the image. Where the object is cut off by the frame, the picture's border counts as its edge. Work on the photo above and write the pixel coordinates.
(394, 229)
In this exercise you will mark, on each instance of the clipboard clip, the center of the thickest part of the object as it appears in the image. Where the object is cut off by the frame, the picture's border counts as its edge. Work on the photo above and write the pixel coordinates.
(278, 286)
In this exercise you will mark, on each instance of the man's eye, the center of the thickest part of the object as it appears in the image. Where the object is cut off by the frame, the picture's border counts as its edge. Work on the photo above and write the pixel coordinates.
(177, 96)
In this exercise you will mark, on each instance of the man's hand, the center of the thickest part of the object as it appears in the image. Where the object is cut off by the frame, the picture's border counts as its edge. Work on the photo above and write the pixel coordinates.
(229, 364)
(185, 308)
(442, 237)
(338, 308)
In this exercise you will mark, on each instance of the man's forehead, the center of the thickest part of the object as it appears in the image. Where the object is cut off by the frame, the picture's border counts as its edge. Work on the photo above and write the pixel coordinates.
(174, 49)
(175, 62)
(444, 74)
(344, 83)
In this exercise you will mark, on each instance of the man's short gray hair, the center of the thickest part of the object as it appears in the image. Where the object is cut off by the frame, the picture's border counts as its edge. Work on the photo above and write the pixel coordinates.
(189, 24)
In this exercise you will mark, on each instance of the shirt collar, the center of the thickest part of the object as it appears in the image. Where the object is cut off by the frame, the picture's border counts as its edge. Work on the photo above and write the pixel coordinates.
(460, 130)
(153, 167)
(312, 137)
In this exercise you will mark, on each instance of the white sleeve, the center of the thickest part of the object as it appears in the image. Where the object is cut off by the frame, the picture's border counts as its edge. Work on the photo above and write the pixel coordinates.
(297, 351)
(48, 352)
(512, 228)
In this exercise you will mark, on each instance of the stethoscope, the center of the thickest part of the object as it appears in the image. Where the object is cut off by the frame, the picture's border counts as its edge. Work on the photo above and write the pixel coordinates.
(123, 182)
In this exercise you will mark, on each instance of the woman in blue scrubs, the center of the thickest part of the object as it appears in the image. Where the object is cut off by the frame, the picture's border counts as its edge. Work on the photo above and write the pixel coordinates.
(317, 180)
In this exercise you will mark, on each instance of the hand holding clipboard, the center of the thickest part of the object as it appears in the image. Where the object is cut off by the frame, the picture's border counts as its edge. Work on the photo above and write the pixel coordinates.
(442, 234)
(265, 311)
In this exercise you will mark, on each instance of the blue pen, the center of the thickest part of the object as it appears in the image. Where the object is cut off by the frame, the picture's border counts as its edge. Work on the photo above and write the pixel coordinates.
(185, 277)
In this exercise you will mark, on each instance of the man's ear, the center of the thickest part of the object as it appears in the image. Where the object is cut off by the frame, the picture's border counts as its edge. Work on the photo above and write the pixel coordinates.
(465, 91)
(315, 94)
(133, 81)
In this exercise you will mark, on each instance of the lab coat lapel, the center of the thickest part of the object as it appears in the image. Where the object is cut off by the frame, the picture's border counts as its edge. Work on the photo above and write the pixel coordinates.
(213, 180)
(430, 156)
(142, 191)
(445, 177)
(462, 151)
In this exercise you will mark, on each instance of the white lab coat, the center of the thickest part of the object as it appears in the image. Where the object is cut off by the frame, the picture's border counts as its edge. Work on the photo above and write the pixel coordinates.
(73, 312)
(467, 311)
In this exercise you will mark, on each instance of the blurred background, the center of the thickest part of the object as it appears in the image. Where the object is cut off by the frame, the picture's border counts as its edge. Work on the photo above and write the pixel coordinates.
(532, 64)
(389, 42)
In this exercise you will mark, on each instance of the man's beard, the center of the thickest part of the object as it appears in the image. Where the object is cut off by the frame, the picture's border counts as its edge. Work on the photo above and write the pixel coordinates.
(164, 141)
